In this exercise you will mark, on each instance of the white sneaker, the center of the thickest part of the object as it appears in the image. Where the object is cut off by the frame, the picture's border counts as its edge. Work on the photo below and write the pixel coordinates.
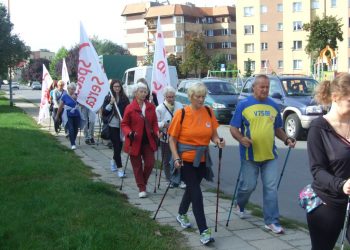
(182, 185)
(113, 167)
(121, 174)
(74, 147)
(241, 214)
(142, 194)
(275, 228)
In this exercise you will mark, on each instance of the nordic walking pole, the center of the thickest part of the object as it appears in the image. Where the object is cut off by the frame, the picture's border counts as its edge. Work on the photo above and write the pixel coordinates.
(218, 189)
(166, 191)
(155, 179)
(234, 196)
(161, 165)
(127, 159)
(345, 224)
(284, 166)
(99, 128)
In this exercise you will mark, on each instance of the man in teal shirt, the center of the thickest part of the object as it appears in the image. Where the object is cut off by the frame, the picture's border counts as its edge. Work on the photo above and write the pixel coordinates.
(254, 125)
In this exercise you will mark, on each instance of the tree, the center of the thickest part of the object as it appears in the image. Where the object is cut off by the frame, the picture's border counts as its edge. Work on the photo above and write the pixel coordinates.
(175, 61)
(34, 69)
(12, 49)
(72, 61)
(148, 59)
(107, 47)
(248, 69)
(195, 58)
(56, 63)
(325, 31)
(216, 61)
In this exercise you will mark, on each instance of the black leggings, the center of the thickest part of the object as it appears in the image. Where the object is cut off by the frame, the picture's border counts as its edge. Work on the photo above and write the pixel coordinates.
(325, 224)
(117, 145)
(192, 176)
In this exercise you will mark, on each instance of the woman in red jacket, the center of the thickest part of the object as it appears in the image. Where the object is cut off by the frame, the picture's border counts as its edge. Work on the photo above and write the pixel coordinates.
(141, 127)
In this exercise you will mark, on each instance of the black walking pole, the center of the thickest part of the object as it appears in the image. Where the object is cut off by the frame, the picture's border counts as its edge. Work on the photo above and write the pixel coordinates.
(218, 189)
(166, 191)
(161, 164)
(155, 178)
(127, 159)
(234, 196)
(284, 166)
(345, 224)
(99, 129)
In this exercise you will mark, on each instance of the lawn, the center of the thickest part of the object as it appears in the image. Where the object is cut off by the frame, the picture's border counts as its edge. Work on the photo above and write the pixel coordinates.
(49, 201)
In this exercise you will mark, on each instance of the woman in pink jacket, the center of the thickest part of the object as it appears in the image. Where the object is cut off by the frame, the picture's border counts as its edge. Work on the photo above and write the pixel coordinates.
(140, 126)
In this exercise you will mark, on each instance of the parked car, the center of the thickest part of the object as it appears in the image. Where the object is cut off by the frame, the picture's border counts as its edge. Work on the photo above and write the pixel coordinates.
(294, 96)
(222, 96)
(15, 85)
(36, 86)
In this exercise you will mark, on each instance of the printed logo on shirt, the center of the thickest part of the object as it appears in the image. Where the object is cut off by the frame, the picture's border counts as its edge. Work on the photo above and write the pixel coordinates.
(262, 113)
(208, 124)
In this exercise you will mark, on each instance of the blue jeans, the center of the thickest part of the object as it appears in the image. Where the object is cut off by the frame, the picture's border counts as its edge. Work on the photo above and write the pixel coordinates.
(72, 125)
(269, 177)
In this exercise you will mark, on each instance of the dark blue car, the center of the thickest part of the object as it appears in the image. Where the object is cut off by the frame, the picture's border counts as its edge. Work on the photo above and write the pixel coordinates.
(222, 96)
(294, 96)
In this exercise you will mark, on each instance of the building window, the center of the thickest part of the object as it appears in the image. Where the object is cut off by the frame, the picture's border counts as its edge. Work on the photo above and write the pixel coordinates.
(225, 32)
(210, 45)
(209, 32)
(297, 64)
(249, 47)
(248, 11)
(263, 46)
(264, 64)
(229, 57)
(297, 45)
(248, 29)
(178, 33)
(348, 42)
(263, 9)
(178, 19)
(315, 4)
(252, 65)
(280, 45)
(333, 3)
(279, 7)
(296, 6)
(279, 26)
(210, 20)
(263, 27)
(179, 48)
(280, 64)
(297, 25)
(226, 45)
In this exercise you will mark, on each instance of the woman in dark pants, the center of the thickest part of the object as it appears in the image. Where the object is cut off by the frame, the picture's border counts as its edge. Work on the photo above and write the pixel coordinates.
(111, 116)
(328, 146)
(189, 138)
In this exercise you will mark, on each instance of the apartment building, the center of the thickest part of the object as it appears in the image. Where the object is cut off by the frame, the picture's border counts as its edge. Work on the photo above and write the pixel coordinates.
(270, 34)
(43, 53)
(179, 22)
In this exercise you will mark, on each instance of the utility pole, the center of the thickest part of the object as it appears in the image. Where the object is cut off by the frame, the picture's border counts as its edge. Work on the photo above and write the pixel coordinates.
(10, 68)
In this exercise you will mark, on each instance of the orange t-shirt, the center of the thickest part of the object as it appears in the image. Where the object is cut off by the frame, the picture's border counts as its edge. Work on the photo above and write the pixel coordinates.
(196, 129)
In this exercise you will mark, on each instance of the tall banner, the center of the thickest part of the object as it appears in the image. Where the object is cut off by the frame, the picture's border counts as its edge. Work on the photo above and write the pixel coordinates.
(45, 88)
(65, 75)
(92, 83)
(160, 70)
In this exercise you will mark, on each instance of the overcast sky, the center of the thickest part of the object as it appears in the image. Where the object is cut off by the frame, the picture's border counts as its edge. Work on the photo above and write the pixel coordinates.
(51, 24)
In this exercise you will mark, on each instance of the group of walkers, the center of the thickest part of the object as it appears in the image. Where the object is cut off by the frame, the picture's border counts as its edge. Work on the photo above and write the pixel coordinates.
(184, 134)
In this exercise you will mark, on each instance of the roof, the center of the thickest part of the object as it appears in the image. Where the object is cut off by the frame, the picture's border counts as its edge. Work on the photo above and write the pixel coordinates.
(135, 8)
(173, 10)
(218, 11)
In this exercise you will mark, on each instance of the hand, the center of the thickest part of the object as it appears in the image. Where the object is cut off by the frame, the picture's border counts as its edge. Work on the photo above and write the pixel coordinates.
(246, 142)
(178, 163)
(346, 187)
(220, 142)
(290, 142)
(112, 100)
(132, 135)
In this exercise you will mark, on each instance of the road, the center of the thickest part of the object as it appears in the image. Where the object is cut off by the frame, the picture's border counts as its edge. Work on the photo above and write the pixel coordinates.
(296, 174)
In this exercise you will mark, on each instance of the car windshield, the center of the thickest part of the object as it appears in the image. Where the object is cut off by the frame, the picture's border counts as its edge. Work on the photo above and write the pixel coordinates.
(299, 87)
(220, 88)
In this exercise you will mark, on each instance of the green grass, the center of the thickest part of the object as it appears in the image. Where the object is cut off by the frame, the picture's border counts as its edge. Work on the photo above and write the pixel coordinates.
(49, 201)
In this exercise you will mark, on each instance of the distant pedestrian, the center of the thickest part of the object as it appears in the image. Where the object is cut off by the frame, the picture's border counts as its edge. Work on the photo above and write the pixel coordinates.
(191, 131)
(89, 125)
(256, 122)
(57, 94)
(71, 118)
(328, 146)
(140, 126)
(165, 113)
(110, 116)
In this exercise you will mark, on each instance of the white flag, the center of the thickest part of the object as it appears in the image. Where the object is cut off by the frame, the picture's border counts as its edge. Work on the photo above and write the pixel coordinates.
(45, 88)
(92, 83)
(65, 75)
(160, 71)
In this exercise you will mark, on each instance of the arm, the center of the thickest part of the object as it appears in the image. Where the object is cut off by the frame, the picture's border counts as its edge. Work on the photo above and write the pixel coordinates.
(159, 117)
(54, 99)
(245, 141)
(125, 123)
(220, 142)
(288, 141)
(174, 153)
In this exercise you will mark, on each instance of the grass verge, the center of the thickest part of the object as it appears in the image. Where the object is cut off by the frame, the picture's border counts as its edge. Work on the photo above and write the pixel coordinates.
(48, 200)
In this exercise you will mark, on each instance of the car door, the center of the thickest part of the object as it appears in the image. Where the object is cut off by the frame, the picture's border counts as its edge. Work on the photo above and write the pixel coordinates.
(276, 93)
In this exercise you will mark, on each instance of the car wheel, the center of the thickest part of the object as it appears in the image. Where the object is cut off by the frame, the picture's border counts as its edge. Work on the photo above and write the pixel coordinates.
(292, 126)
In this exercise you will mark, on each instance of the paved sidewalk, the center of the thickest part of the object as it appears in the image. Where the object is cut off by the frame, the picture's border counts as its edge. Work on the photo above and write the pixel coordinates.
(247, 234)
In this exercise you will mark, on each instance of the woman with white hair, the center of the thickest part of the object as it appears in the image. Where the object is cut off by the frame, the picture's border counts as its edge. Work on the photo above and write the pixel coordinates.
(71, 115)
(140, 126)
(190, 132)
(165, 113)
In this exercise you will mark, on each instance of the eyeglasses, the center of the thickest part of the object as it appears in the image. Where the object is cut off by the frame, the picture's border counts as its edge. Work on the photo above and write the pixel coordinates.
(170, 96)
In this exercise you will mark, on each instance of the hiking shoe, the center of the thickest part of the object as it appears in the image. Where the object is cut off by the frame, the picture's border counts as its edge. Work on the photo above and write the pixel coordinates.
(275, 228)
(241, 214)
(92, 141)
(182, 185)
(74, 147)
(183, 220)
(205, 237)
(142, 194)
(113, 167)
(121, 173)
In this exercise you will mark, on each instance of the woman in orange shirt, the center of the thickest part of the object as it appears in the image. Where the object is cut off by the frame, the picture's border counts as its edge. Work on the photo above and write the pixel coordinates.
(190, 134)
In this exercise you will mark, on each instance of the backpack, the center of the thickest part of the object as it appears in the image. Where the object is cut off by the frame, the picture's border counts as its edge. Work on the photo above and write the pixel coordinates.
(183, 113)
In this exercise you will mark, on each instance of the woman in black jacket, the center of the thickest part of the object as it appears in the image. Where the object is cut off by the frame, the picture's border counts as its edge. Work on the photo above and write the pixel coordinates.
(328, 146)
(111, 116)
